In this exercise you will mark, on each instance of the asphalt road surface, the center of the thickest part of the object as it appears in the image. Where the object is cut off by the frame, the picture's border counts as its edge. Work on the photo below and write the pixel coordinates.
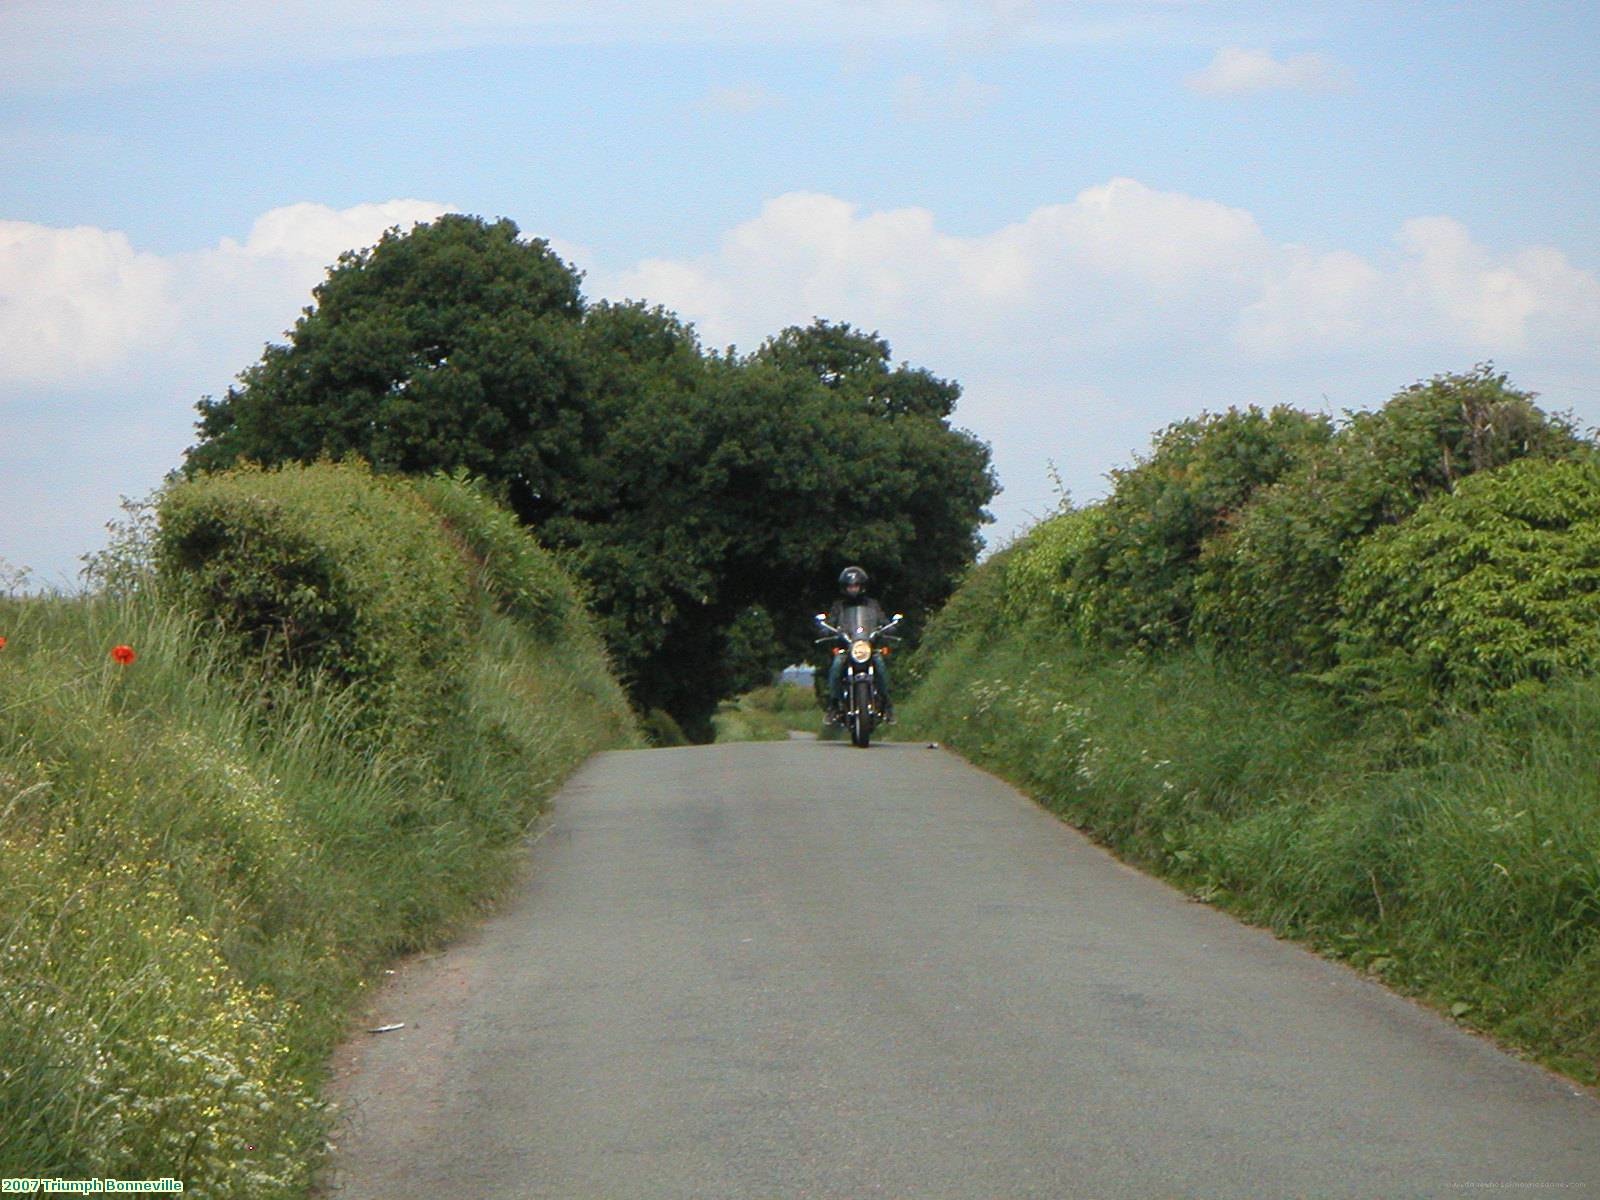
(804, 970)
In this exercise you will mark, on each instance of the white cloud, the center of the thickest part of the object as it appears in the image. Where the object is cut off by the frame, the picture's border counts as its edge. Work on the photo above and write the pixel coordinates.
(1235, 71)
(318, 232)
(237, 295)
(82, 303)
(1113, 257)
(1311, 301)
(76, 301)
(1441, 288)
(1165, 241)
(1121, 265)
(1506, 301)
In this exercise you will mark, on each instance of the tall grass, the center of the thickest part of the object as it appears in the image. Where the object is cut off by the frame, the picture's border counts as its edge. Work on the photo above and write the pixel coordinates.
(1463, 866)
(202, 870)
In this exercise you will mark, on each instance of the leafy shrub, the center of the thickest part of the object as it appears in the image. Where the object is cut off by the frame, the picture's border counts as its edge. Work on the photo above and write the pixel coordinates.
(127, 562)
(1041, 577)
(787, 698)
(1494, 583)
(1268, 583)
(327, 568)
(767, 714)
(977, 607)
(509, 564)
(1135, 575)
(660, 729)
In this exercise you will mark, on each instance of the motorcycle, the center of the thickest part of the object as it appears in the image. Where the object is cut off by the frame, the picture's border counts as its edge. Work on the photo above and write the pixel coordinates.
(862, 708)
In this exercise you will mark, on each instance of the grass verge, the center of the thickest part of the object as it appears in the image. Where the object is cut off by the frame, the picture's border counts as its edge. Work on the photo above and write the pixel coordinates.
(1461, 866)
(203, 869)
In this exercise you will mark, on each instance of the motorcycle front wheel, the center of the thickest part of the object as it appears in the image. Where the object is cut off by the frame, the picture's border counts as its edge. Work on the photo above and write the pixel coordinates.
(861, 719)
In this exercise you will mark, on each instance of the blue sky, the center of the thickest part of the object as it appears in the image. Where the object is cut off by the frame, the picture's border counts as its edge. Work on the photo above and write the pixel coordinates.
(1100, 216)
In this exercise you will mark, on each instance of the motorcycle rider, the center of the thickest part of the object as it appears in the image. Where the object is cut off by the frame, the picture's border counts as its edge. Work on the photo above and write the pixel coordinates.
(853, 583)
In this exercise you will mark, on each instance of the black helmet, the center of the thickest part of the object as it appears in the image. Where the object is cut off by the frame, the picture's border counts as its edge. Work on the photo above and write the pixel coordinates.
(852, 577)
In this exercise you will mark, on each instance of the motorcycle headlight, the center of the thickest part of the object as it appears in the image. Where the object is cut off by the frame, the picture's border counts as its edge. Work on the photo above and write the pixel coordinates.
(861, 650)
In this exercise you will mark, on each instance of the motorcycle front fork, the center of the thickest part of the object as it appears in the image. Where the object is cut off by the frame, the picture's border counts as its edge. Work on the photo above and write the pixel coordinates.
(847, 690)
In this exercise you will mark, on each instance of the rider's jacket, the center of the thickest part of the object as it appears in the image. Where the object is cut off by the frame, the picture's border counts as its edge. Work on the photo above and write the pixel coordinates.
(870, 616)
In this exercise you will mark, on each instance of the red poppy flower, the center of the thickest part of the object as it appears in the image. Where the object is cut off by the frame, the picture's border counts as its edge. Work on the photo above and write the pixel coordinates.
(123, 654)
(2, 643)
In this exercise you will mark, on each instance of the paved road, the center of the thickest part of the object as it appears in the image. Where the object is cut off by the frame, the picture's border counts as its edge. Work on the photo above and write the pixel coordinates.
(802, 970)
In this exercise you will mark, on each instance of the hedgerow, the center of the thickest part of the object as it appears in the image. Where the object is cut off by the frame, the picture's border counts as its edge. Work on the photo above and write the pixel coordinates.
(1043, 582)
(978, 606)
(325, 568)
(1268, 582)
(214, 839)
(521, 575)
(1490, 586)
(1133, 574)
(1355, 701)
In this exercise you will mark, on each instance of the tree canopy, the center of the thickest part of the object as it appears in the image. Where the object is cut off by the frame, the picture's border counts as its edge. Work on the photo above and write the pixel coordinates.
(708, 500)
(455, 345)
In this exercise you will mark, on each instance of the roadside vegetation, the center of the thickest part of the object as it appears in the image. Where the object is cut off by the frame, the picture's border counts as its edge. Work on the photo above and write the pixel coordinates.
(424, 558)
(1335, 675)
(1338, 678)
(767, 714)
(700, 495)
(339, 702)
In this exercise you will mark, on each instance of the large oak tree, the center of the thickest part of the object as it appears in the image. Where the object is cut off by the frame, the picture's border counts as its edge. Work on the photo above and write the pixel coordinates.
(709, 500)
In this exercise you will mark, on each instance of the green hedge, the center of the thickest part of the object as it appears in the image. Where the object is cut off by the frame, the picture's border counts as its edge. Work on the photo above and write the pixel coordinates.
(1042, 579)
(1495, 584)
(1135, 573)
(208, 858)
(977, 607)
(523, 577)
(1268, 585)
(327, 568)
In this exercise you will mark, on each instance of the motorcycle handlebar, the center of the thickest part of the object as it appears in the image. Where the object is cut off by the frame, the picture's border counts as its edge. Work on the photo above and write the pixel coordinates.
(881, 631)
(821, 622)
